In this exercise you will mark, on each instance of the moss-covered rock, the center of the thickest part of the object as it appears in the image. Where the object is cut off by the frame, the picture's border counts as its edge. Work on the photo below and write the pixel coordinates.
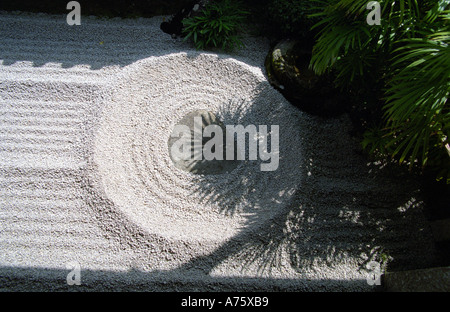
(287, 66)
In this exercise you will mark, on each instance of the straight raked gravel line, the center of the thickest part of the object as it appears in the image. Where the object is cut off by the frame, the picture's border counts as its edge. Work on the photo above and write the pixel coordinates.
(56, 85)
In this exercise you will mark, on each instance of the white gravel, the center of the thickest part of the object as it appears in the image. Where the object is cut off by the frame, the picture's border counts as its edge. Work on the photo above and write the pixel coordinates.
(86, 112)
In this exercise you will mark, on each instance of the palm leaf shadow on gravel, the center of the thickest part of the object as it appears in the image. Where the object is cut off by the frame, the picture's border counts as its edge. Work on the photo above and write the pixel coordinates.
(229, 201)
(345, 208)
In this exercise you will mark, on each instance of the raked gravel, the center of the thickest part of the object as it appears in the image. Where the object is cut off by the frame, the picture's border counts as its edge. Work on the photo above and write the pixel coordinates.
(85, 116)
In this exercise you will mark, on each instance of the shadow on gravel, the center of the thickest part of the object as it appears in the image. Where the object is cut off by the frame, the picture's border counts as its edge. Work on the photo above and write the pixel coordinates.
(96, 43)
(18, 279)
(106, 8)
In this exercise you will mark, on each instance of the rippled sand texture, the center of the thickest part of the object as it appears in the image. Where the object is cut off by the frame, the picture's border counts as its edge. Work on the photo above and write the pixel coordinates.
(86, 113)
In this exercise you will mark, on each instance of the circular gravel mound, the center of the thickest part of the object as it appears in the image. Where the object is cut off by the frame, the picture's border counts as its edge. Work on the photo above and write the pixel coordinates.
(133, 162)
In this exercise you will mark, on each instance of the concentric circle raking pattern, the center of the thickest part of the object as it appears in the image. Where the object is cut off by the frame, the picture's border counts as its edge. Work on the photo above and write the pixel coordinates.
(138, 175)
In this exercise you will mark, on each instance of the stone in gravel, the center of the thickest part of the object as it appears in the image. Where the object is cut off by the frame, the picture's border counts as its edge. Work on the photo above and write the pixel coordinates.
(287, 67)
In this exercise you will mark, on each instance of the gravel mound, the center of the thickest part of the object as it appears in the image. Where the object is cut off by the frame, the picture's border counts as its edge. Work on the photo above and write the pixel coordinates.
(134, 164)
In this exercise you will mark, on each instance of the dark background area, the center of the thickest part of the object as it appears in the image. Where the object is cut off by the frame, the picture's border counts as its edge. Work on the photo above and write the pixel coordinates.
(272, 20)
(106, 8)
